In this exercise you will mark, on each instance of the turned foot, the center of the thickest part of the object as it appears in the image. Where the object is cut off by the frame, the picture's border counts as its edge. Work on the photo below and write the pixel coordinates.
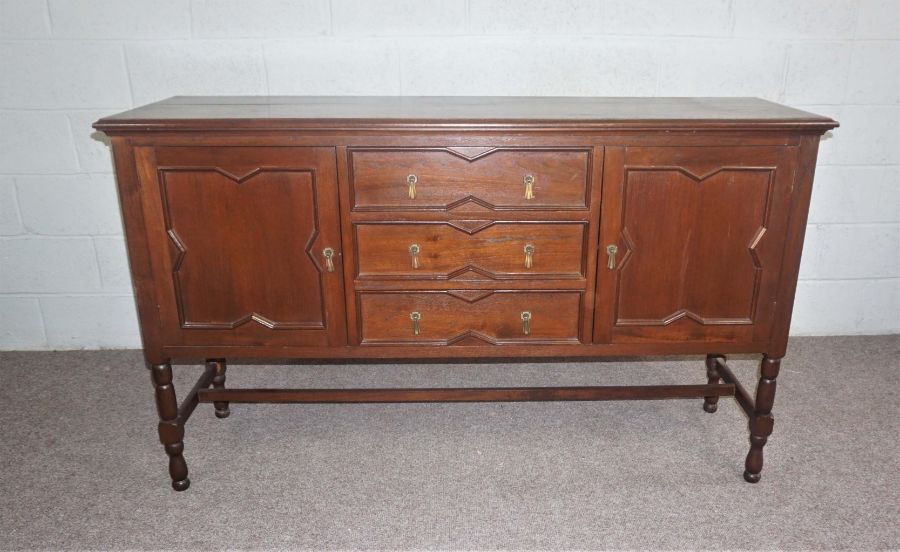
(181, 485)
(761, 422)
(218, 382)
(711, 404)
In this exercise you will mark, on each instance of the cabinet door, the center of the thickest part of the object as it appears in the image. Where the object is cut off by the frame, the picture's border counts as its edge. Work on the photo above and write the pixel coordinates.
(238, 239)
(698, 234)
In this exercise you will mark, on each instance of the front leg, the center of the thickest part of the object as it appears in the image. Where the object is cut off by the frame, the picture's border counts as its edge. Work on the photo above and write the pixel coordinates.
(171, 429)
(761, 422)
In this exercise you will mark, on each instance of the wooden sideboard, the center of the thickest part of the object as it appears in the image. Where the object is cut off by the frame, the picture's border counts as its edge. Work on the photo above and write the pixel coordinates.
(437, 228)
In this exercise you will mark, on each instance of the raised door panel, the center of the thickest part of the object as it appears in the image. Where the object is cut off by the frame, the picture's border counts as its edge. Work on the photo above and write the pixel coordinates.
(699, 235)
(238, 237)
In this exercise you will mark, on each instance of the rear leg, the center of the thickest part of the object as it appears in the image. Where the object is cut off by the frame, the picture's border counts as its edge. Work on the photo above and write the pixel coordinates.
(711, 404)
(218, 382)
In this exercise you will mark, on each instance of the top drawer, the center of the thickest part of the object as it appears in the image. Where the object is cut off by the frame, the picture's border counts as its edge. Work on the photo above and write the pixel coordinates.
(494, 178)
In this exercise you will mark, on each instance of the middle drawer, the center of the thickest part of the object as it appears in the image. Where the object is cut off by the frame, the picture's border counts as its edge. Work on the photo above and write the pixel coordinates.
(495, 250)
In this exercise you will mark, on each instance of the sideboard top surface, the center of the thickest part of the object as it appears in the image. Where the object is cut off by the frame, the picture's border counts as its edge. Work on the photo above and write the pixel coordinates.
(199, 113)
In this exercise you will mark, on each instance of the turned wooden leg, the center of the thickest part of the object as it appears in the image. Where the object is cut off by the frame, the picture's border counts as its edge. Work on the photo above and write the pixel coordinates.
(171, 431)
(761, 422)
(711, 404)
(218, 382)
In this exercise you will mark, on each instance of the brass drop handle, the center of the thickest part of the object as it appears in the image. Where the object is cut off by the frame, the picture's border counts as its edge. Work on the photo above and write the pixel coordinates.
(411, 181)
(526, 322)
(415, 317)
(611, 251)
(414, 255)
(529, 255)
(529, 186)
(328, 253)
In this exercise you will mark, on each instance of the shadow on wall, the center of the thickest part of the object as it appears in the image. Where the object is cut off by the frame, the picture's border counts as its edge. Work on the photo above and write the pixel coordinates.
(103, 139)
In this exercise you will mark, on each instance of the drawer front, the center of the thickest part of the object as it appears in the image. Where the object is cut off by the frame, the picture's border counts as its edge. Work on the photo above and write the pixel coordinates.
(496, 250)
(470, 317)
(445, 178)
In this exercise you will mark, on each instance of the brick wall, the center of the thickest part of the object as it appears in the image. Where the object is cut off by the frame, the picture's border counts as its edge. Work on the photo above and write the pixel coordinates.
(64, 63)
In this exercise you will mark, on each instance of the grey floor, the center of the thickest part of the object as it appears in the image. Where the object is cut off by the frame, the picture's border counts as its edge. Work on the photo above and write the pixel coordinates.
(82, 469)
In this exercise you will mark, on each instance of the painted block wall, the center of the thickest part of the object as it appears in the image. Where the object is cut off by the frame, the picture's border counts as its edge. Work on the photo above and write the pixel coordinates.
(64, 63)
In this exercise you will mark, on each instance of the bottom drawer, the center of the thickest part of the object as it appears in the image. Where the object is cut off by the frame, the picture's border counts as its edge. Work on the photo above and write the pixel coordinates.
(470, 317)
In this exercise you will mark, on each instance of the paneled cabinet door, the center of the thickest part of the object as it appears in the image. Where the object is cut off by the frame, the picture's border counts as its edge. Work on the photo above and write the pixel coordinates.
(245, 243)
(691, 243)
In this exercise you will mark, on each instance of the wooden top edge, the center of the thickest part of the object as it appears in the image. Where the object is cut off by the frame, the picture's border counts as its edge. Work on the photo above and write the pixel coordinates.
(344, 113)
(300, 125)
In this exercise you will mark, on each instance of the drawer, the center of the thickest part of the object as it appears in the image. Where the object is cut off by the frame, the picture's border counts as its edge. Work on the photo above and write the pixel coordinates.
(445, 178)
(470, 317)
(496, 250)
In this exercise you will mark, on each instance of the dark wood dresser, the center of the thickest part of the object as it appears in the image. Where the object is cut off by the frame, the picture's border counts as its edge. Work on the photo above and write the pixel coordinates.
(438, 228)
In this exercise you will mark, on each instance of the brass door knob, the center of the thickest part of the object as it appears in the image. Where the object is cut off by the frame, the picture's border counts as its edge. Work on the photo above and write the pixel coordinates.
(611, 251)
(328, 253)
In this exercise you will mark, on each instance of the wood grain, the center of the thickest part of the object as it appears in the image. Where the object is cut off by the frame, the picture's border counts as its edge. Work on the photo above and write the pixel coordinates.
(482, 250)
(470, 317)
(493, 394)
(230, 203)
(460, 113)
(450, 178)
(238, 235)
(699, 232)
